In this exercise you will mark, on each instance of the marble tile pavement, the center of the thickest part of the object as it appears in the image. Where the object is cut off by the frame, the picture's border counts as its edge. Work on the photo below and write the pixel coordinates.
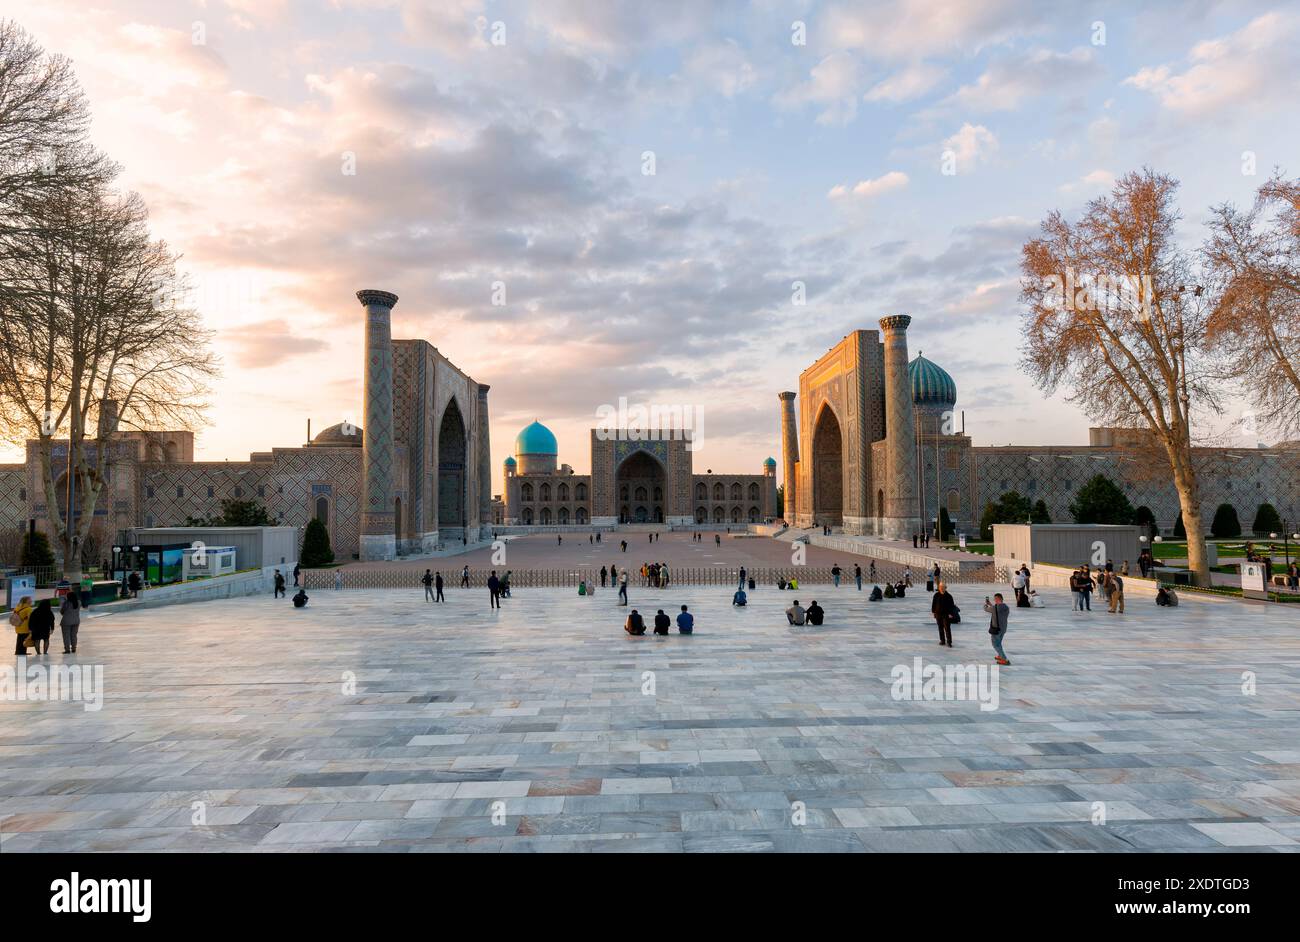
(372, 721)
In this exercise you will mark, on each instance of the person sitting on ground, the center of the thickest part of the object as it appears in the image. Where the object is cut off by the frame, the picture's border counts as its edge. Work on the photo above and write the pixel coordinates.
(1166, 597)
(900, 590)
(740, 598)
(635, 624)
(796, 613)
(685, 622)
(781, 583)
(816, 614)
(794, 583)
(662, 622)
(300, 599)
(876, 595)
(889, 590)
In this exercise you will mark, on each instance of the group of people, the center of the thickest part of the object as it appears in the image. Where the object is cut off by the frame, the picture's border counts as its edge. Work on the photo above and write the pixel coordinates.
(814, 614)
(34, 623)
(655, 575)
(946, 613)
(1108, 583)
(299, 597)
(635, 624)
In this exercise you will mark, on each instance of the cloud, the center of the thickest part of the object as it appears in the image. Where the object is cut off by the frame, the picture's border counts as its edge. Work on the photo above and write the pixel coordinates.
(1092, 181)
(866, 189)
(268, 343)
(1010, 81)
(911, 82)
(972, 145)
(906, 29)
(722, 67)
(1236, 73)
(832, 84)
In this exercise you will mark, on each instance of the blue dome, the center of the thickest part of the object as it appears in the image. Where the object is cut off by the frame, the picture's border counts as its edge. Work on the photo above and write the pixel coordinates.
(536, 439)
(931, 384)
(510, 461)
(770, 463)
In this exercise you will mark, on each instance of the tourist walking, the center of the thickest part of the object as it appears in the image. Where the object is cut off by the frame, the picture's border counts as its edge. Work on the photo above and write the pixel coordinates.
(69, 623)
(857, 575)
(41, 624)
(622, 587)
(835, 575)
(742, 577)
(427, 579)
(505, 584)
(604, 575)
(999, 613)
(943, 608)
(1116, 593)
(494, 590)
(437, 587)
(1018, 585)
(1085, 588)
(907, 576)
(464, 578)
(297, 571)
(871, 572)
(134, 583)
(20, 619)
(279, 584)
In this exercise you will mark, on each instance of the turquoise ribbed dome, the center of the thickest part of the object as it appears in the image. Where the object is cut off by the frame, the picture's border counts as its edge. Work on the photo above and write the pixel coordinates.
(931, 384)
(510, 461)
(770, 463)
(536, 439)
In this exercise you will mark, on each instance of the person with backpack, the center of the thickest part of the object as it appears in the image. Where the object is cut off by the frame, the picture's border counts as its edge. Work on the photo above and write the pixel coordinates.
(20, 619)
(279, 584)
(943, 608)
(70, 622)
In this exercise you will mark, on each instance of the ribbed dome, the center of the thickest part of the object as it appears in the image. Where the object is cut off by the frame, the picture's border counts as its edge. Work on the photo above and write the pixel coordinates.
(770, 463)
(536, 439)
(931, 384)
(510, 461)
(338, 435)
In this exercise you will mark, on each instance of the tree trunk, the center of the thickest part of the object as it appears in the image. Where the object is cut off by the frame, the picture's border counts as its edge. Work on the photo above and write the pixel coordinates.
(1190, 502)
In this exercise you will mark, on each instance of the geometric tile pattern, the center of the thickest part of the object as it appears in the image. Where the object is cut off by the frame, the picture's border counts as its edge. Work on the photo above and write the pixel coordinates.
(373, 721)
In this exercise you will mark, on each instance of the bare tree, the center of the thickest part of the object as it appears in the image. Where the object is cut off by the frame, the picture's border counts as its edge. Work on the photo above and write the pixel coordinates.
(1253, 258)
(93, 332)
(1116, 320)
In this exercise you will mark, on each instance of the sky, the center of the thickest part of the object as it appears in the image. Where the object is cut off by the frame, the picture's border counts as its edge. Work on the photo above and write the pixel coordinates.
(643, 185)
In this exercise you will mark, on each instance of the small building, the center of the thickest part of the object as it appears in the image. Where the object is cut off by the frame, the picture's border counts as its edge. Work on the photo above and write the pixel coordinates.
(1065, 544)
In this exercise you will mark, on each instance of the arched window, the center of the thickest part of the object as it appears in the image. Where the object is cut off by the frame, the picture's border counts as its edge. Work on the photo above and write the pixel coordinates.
(659, 493)
(544, 492)
(562, 492)
(719, 492)
(701, 513)
(156, 451)
(954, 501)
(526, 492)
(736, 492)
(753, 515)
(564, 515)
(528, 516)
(735, 515)
(641, 493)
(701, 491)
(581, 516)
(546, 516)
(623, 493)
(580, 492)
(323, 511)
(172, 452)
(753, 491)
(719, 514)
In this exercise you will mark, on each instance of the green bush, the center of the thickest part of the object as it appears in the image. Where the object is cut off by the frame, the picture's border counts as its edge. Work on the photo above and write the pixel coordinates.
(1101, 501)
(36, 551)
(1039, 514)
(1145, 517)
(316, 550)
(1011, 507)
(1180, 531)
(1225, 523)
(1267, 520)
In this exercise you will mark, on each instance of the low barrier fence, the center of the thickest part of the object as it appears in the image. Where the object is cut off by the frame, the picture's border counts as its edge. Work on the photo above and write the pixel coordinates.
(568, 578)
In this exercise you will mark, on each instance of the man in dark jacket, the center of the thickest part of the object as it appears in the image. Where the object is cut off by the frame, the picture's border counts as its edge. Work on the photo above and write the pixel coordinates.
(999, 612)
(635, 624)
(662, 622)
(942, 607)
(279, 584)
(494, 590)
(437, 587)
(427, 579)
(815, 614)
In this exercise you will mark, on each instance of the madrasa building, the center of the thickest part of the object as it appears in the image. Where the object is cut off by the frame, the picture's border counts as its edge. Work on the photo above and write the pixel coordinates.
(873, 444)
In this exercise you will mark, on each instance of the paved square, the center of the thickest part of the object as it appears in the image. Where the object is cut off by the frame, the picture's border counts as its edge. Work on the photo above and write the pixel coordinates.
(371, 720)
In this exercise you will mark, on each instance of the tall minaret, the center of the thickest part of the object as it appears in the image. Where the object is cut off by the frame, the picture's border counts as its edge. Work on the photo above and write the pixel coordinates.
(378, 533)
(789, 452)
(901, 517)
(484, 463)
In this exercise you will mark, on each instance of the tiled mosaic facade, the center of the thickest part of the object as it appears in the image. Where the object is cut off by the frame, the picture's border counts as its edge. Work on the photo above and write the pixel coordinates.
(647, 478)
